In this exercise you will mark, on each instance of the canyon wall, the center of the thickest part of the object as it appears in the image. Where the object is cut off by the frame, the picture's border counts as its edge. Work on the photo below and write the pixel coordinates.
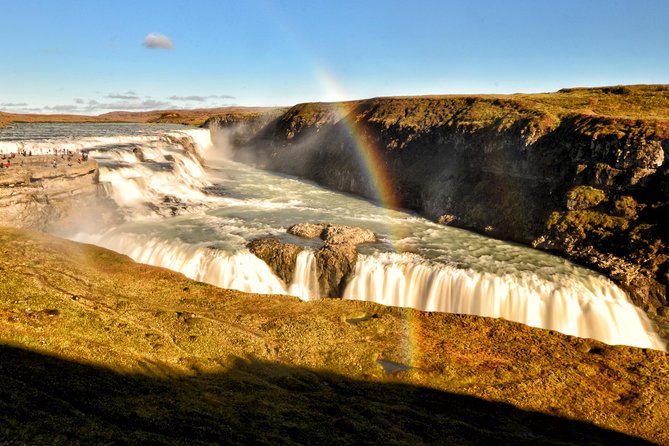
(50, 194)
(542, 170)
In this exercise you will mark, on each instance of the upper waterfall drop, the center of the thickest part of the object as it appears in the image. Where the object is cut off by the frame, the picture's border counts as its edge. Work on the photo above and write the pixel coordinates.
(201, 138)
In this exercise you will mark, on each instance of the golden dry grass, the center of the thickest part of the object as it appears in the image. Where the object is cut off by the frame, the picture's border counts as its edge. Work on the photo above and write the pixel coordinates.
(97, 348)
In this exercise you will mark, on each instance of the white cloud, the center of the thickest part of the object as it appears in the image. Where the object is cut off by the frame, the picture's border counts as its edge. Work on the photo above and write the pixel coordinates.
(63, 108)
(200, 98)
(188, 98)
(13, 104)
(127, 96)
(157, 41)
(149, 104)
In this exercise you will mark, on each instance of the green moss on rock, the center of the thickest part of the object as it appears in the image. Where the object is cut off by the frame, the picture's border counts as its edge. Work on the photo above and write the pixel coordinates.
(626, 207)
(584, 197)
(584, 224)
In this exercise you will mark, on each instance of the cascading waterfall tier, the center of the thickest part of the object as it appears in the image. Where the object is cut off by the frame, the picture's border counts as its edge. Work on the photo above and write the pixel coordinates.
(238, 271)
(593, 308)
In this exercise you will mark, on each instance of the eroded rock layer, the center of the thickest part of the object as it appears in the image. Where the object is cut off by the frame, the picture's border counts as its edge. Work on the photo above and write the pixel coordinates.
(54, 194)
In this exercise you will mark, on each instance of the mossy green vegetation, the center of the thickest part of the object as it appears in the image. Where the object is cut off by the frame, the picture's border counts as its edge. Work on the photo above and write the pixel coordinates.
(587, 223)
(96, 348)
(584, 197)
(626, 206)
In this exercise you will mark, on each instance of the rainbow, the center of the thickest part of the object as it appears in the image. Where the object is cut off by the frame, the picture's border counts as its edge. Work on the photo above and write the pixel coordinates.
(369, 156)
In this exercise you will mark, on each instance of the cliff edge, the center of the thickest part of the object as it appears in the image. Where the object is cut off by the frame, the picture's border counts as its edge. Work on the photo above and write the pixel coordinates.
(53, 193)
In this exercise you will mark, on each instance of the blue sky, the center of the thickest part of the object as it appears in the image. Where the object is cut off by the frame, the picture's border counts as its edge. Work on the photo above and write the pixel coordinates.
(96, 56)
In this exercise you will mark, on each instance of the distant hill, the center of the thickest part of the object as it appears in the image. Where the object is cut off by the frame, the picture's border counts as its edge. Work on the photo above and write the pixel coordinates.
(188, 117)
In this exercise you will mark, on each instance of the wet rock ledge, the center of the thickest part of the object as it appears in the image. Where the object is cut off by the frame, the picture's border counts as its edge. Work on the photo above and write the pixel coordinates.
(335, 260)
(51, 193)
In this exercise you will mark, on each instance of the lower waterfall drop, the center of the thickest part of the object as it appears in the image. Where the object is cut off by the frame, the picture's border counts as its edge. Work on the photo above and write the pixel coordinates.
(240, 271)
(305, 278)
(593, 308)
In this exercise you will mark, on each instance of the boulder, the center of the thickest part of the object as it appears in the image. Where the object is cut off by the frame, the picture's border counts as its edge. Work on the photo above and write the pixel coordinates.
(333, 234)
(335, 260)
(307, 230)
(338, 234)
(335, 265)
(279, 256)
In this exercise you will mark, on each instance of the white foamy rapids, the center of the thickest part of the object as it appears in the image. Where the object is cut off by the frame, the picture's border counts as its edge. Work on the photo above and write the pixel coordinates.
(305, 279)
(73, 144)
(169, 170)
(589, 308)
(137, 183)
(201, 138)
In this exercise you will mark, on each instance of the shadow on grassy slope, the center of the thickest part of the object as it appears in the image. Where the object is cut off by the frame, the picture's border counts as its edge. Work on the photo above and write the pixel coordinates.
(44, 399)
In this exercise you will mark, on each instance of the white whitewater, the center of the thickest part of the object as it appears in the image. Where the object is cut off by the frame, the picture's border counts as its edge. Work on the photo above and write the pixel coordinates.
(197, 220)
(305, 278)
(241, 271)
(586, 308)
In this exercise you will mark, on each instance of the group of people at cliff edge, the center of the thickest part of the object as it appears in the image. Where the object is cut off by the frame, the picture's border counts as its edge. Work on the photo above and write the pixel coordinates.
(5, 162)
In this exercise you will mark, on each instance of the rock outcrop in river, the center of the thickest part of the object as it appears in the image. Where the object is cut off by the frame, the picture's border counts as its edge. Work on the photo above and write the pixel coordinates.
(335, 260)
(581, 172)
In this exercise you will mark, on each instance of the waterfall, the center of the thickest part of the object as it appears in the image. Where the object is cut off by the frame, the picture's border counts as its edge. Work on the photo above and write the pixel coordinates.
(180, 214)
(305, 279)
(589, 308)
(241, 271)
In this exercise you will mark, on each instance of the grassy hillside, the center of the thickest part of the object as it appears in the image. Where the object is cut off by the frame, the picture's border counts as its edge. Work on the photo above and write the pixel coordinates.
(95, 348)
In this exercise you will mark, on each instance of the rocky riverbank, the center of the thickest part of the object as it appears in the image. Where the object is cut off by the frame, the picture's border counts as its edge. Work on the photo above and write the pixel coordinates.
(53, 193)
(581, 172)
(96, 348)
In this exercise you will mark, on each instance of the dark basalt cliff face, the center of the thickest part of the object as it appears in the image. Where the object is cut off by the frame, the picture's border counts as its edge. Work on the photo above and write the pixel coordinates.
(580, 172)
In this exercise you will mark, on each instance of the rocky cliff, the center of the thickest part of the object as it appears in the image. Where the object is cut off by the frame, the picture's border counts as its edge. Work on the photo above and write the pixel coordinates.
(582, 172)
(53, 194)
